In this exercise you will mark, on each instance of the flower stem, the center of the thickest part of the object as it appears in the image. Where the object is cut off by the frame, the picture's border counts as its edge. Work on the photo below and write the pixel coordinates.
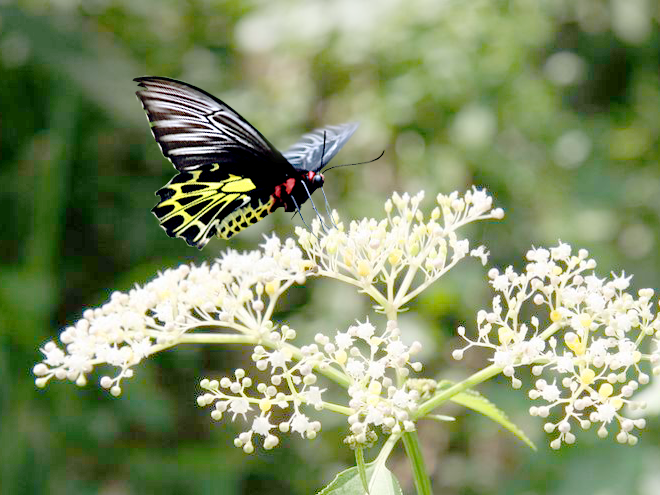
(444, 395)
(420, 475)
(362, 468)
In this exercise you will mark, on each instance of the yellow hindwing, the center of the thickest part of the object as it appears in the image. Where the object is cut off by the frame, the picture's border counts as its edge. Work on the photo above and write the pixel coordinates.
(198, 204)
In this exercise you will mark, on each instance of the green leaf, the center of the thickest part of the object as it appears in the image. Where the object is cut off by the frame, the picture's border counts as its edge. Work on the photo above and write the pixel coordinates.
(381, 482)
(477, 402)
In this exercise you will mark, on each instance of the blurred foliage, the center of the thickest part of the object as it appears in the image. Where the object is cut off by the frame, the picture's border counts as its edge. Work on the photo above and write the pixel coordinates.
(551, 105)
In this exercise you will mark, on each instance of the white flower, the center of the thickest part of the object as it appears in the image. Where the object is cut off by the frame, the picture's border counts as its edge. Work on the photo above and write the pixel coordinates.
(500, 283)
(605, 412)
(595, 302)
(594, 337)
(396, 349)
(376, 369)
(480, 253)
(233, 299)
(133, 325)
(378, 254)
(300, 424)
(403, 399)
(561, 252)
(355, 368)
(363, 330)
(343, 340)
(239, 406)
(313, 396)
(278, 359)
(261, 426)
(564, 363)
(621, 282)
(550, 393)
(374, 416)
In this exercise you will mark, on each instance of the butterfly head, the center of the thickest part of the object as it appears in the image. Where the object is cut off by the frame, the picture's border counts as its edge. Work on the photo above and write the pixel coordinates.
(294, 192)
(314, 179)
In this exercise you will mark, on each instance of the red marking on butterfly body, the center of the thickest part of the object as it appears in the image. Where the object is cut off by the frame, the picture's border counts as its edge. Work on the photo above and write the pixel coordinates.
(292, 188)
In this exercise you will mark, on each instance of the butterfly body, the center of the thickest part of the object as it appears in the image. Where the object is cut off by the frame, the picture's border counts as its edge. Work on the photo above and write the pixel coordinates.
(294, 191)
(230, 176)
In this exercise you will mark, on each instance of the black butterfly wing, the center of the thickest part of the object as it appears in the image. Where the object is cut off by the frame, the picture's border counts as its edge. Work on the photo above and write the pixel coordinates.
(229, 171)
(194, 128)
(314, 150)
(198, 204)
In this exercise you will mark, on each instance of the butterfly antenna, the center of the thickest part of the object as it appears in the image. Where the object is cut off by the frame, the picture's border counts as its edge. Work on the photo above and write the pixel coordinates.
(352, 164)
(327, 204)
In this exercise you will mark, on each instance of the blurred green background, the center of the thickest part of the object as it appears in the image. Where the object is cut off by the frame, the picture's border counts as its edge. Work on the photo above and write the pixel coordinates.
(554, 106)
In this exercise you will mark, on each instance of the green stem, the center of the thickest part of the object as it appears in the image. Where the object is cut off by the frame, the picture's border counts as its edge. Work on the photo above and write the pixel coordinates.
(420, 475)
(444, 395)
(548, 332)
(362, 468)
(392, 314)
(405, 285)
(422, 287)
(329, 406)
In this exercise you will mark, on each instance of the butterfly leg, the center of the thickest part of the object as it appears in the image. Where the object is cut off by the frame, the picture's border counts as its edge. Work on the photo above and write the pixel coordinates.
(299, 212)
(323, 225)
(327, 209)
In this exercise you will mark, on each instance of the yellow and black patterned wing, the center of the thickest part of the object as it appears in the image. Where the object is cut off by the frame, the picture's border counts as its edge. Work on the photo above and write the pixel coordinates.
(198, 204)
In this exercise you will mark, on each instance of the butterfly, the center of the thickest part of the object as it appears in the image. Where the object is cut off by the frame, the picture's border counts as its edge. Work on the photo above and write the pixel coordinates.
(230, 175)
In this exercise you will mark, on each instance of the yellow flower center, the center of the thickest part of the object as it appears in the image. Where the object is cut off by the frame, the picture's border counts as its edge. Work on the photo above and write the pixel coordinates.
(363, 268)
(265, 405)
(505, 335)
(577, 346)
(605, 390)
(341, 357)
(585, 320)
(394, 257)
(272, 287)
(587, 376)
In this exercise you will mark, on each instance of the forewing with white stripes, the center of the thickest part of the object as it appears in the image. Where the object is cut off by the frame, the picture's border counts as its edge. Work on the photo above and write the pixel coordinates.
(194, 128)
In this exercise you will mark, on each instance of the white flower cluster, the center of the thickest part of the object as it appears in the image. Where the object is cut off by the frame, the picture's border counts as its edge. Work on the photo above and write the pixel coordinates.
(373, 367)
(233, 395)
(394, 250)
(233, 299)
(238, 291)
(593, 343)
(376, 399)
